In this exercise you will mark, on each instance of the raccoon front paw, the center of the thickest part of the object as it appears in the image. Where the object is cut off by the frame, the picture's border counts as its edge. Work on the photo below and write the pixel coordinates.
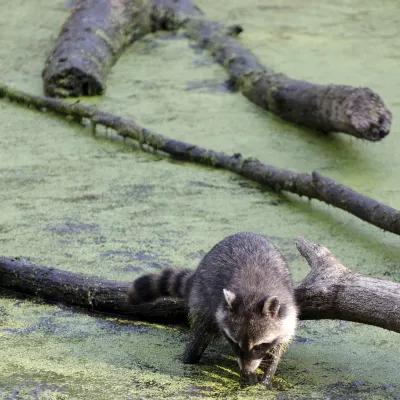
(250, 378)
(266, 380)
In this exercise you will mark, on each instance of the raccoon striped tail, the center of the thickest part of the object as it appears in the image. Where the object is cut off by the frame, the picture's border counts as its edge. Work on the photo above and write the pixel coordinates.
(169, 282)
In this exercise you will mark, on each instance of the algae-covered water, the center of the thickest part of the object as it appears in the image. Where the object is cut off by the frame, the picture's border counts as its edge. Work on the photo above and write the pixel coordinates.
(103, 208)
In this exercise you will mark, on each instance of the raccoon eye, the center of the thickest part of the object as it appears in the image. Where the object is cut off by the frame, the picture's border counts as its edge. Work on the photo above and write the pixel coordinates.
(263, 346)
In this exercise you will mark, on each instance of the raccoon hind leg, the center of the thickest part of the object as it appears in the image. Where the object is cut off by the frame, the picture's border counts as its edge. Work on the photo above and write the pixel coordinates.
(203, 331)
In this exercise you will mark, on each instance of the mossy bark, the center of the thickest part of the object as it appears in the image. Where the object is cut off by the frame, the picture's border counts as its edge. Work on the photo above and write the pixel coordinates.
(97, 31)
(330, 291)
(329, 108)
(86, 292)
(90, 42)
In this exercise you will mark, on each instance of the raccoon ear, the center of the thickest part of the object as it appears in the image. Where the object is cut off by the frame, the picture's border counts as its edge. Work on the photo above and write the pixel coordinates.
(229, 297)
(271, 306)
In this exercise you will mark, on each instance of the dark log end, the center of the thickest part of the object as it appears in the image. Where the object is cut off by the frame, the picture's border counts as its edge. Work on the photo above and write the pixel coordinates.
(90, 42)
(72, 82)
(356, 111)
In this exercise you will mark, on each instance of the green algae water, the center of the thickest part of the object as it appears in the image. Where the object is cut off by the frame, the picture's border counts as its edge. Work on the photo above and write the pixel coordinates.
(103, 208)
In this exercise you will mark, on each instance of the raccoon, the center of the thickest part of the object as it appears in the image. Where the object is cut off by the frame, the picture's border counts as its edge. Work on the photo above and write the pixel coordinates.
(243, 290)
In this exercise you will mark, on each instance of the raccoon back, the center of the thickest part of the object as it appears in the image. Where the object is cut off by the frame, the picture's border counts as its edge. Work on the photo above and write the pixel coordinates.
(245, 263)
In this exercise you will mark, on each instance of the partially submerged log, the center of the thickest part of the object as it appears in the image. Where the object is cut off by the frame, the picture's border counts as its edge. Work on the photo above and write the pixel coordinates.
(329, 108)
(313, 186)
(97, 31)
(90, 42)
(330, 291)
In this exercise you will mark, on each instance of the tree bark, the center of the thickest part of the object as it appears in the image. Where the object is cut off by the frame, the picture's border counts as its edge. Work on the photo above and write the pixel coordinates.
(97, 31)
(83, 291)
(90, 42)
(330, 291)
(313, 186)
(329, 108)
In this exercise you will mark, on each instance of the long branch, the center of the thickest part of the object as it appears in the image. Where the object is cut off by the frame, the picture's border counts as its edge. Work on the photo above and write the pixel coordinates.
(330, 291)
(330, 108)
(313, 186)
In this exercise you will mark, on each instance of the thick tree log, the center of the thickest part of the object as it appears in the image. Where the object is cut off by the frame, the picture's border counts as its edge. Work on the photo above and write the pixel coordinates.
(313, 186)
(97, 31)
(330, 291)
(90, 42)
(357, 111)
(87, 292)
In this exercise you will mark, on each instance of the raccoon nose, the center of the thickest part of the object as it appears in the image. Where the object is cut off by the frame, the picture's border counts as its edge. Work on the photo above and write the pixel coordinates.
(247, 366)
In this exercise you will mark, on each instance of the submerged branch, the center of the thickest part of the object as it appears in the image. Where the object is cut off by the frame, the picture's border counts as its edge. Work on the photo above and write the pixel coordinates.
(330, 291)
(313, 186)
(330, 108)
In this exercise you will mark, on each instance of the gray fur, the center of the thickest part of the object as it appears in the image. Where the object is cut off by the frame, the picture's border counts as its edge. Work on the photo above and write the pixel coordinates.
(244, 290)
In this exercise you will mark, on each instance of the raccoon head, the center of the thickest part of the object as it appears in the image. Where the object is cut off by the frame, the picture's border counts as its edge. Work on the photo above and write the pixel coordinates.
(253, 326)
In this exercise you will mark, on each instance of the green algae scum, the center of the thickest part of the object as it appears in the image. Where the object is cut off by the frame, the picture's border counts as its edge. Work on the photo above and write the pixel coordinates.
(100, 207)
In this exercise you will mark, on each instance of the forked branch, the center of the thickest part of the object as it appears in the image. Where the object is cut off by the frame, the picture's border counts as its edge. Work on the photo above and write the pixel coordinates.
(332, 291)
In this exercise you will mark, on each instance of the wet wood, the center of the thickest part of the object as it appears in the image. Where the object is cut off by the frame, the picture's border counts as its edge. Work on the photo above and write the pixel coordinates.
(83, 291)
(90, 42)
(97, 31)
(329, 108)
(332, 291)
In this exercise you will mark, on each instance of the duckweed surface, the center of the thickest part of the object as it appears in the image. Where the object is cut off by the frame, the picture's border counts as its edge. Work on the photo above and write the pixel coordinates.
(104, 208)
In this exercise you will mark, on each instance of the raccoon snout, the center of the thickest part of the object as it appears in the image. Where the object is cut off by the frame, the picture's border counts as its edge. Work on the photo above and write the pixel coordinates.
(248, 366)
(248, 370)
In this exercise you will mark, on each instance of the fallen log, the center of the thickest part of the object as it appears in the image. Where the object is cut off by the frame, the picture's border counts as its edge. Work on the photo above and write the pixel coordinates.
(97, 31)
(329, 291)
(90, 42)
(313, 186)
(329, 108)
(83, 291)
